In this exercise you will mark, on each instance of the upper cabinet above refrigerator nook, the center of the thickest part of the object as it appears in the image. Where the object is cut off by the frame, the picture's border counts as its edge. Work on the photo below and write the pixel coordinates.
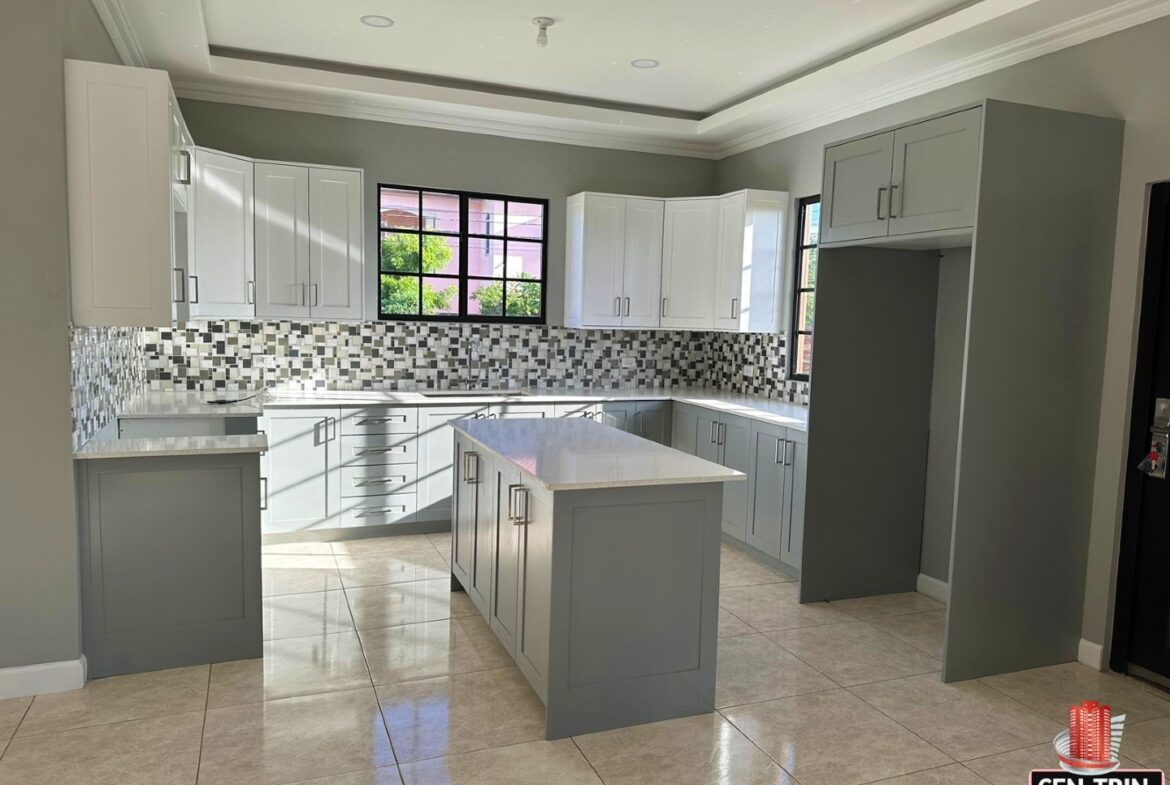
(914, 184)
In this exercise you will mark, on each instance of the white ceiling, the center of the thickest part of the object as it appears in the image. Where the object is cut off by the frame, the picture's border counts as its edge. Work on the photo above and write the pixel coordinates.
(711, 53)
(735, 74)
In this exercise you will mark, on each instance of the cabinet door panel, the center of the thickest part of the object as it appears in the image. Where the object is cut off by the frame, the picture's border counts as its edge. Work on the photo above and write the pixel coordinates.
(535, 585)
(856, 190)
(684, 429)
(301, 470)
(223, 268)
(436, 456)
(642, 263)
(797, 478)
(601, 284)
(730, 272)
(282, 240)
(480, 574)
(768, 492)
(690, 240)
(935, 172)
(505, 569)
(652, 420)
(463, 517)
(736, 451)
(707, 444)
(335, 244)
(618, 414)
(514, 411)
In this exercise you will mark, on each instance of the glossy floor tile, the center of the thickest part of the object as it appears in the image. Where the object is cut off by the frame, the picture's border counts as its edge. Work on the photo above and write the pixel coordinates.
(1052, 690)
(284, 573)
(441, 541)
(1148, 743)
(964, 719)
(400, 544)
(775, 606)
(378, 569)
(461, 713)
(887, 605)
(954, 774)
(429, 649)
(532, 763)
(11, 713)
(384, 775)
(407, 603)
(752, 668)
(1011, 768)
(731, 625)
(833, 738)
(923, 631)
(294, 739)
(855, 653)
(299, 548)
(302, 615)
(738, 569)
(117, 699)
(154, 751)
(291, 667)
(702, 750)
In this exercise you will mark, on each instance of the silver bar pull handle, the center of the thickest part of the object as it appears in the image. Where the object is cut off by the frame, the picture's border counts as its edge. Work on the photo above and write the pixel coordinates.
(617, 306)
(360, 482)
(382, 420)
(713, 425)
(518, 504)
(881, 193)
(664, 307)
(180, 285)
(316, 295)
(627, 306)
(378, 450)
(893, 188)
(185, 177)
(194, 289)
(722, 434)
(638, 421)
(264, 500)
(789, 454)
(734, 307)
(473, 468)
(379, 510)
(778, 443)
(251, 292)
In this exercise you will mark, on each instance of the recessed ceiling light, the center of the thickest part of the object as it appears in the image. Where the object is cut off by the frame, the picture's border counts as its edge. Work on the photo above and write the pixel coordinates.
(377, 20)
(644, 62)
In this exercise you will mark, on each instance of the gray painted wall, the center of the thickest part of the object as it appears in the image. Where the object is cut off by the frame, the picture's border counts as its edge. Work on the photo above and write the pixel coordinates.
(409, 155)
(950, 327)
(1122, 75)
(39, 607)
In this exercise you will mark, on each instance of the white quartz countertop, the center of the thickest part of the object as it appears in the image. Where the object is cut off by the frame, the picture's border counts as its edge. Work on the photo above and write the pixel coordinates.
(578, 454)
(154, 404)
(166, 446)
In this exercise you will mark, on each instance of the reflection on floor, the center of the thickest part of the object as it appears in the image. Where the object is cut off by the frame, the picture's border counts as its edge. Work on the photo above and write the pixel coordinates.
(374, 674)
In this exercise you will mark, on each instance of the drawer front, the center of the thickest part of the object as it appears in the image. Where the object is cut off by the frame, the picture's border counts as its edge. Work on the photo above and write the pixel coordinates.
(394, 508)
(378, 480)
(380, 419)
(378, 449)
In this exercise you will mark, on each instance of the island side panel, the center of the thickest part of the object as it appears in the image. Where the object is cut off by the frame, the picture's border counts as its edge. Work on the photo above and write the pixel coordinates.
(635, 606)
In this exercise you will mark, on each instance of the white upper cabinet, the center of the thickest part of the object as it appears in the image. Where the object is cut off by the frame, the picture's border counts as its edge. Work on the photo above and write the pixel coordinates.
(748, 270)
(282, 241)
(906, 185)
(689, 250)
(335, 243)
(120, 154)
(182, 213)
(613, 261)
(222, 271)
(935, 170)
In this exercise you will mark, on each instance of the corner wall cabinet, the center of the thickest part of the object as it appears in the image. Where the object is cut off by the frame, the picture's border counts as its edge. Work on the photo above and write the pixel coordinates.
(128, 158)
(917, 180)
(222, 274)
(710, 263)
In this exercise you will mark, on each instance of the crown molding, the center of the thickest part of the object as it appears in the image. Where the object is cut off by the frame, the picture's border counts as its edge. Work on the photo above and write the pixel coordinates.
(118, 27)
(316, 103)
(1066, 34)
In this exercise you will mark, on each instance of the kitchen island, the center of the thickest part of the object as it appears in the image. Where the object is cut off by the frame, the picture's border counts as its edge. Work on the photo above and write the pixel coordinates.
(593, 554)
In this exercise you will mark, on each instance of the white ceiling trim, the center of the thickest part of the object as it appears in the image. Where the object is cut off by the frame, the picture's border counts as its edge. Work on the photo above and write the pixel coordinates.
(1076, 31)
(121, 34)
(269, 97)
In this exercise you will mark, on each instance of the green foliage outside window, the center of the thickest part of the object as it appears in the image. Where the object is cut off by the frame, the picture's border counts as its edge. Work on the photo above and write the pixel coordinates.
(399, 293)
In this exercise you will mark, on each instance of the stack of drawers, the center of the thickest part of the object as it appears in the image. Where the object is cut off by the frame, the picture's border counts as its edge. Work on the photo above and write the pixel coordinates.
(379, 465)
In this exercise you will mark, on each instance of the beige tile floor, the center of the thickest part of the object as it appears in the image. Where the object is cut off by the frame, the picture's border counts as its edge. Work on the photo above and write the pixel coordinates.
(375, 674)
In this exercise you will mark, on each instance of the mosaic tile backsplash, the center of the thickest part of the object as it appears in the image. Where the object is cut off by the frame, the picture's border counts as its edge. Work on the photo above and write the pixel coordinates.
(244, 355)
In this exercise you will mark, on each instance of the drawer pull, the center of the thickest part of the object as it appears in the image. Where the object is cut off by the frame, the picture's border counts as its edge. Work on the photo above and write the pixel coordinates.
(379, 510)
(397, 479)
(517, 511)
(382, 420)
(378, 450)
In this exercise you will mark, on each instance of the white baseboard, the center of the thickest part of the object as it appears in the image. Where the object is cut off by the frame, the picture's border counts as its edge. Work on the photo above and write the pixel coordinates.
(1091, 654)
(934, 588)
(24, 680)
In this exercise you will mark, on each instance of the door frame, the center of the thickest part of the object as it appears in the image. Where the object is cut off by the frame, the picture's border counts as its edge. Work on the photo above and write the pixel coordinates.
(1156, 260)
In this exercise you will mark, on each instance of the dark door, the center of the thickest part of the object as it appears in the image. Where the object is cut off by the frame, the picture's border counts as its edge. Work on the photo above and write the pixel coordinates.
(1141, 643)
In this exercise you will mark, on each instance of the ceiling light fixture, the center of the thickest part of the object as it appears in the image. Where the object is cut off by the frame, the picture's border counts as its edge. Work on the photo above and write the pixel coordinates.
(544, 23)
(644, 62)
(377, 20)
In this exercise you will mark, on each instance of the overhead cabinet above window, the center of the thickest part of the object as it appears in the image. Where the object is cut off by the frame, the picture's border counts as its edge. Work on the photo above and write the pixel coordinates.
(707, 263)
(913, 183)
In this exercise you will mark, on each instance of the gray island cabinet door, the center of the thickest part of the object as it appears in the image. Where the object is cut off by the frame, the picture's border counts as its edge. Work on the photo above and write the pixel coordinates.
(302, 469)
(435, 458)
(483, 524)
(465, 494)
(504, 615)
(532, 514)
(856, 189)
(768, 488)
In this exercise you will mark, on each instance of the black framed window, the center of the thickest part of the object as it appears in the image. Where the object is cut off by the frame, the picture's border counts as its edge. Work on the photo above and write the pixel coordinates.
(461, 256)
(804, 295)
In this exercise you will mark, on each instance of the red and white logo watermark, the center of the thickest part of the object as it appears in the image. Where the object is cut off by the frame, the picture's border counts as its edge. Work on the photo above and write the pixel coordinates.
(1089, 752)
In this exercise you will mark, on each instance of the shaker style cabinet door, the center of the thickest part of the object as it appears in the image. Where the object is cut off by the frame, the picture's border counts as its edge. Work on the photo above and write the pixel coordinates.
(729, 270)
(689, 248)
(222, 275)
(335, 244)
(603, 249)
(856, 191)
(796, 466)
(301, 470)
(935, 171)
(282, 241)
(768, 492)
(734, 437)
(504, 615)
(642, 268)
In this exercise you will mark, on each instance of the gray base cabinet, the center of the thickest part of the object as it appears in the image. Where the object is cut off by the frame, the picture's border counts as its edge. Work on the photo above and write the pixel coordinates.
(648, 419)
(170, 561)
(606, 599)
